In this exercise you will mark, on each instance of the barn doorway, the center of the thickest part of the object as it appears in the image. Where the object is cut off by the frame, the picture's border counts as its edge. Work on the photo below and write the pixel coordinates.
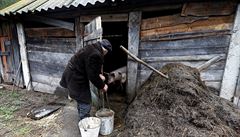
(117, 34)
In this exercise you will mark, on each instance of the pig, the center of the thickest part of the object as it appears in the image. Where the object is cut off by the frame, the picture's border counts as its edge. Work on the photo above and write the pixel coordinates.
(117, 75)
(117, 80)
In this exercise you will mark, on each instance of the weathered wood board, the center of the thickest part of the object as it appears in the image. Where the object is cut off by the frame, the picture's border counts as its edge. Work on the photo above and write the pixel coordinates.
(199, 27)
(49, 32)
(24, 58)
(48, 58)
(209, 8)
(55, 45)
(231, 70)
(133, 44)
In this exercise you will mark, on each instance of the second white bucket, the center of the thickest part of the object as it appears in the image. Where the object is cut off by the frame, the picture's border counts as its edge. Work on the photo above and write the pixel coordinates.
(107, 121)
(89, 127)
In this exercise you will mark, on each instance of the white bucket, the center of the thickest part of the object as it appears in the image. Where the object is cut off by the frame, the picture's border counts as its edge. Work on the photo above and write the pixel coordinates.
(107, 121)
(89, 127)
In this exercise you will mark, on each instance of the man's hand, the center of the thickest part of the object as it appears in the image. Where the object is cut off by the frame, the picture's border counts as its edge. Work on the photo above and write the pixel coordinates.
(105, 88)
(102, 77)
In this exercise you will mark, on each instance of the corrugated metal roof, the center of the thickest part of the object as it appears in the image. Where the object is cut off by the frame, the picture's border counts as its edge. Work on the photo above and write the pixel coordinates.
(39, 5)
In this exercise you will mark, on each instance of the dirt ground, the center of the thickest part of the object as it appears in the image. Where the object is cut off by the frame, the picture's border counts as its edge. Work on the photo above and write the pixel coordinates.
(14, 121)
(181, 106)
(14, 107)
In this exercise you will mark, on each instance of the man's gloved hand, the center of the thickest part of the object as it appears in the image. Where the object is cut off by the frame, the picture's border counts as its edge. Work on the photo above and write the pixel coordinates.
(105, 88)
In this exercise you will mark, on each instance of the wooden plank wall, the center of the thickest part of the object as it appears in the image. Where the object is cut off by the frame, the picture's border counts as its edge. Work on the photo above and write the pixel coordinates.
(48, 54)
(189, 40)
(10, 64)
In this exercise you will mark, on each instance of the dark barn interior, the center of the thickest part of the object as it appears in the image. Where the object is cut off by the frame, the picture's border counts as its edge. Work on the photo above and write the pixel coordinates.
(117, 34)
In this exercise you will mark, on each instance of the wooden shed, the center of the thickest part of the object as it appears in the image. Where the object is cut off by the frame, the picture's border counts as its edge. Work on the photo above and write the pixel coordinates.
(45, 34)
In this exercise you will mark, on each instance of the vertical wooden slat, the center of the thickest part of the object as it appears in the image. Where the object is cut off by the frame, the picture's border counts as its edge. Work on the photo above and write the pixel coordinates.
(23, 54)
(233, 61)
(1, 63)
(4, 61)
(237, 92)
(79, 30)
(16, 56)
(133, 44)
(10, 59)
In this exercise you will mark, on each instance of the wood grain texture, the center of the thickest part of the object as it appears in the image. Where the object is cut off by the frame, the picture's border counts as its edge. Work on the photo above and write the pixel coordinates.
(166, 21)
(49, 32)
(49, 57)
(231, 71)
(24, 58)
(43, 87)
(203, 42)
(45, 79)
(51, 21)
(208, 8)
(133, 44)
(105, 17)
(210, 24)
(56, 45)
(47, 69)
(79, 33)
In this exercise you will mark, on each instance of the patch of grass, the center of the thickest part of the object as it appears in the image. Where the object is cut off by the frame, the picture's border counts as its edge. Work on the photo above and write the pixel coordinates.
(6, 112)
(23, 130)
(3, 92)
(14, 95)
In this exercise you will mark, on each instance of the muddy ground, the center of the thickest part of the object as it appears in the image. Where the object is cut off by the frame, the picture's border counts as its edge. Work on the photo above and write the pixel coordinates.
(14, 106)
(14, 121)
(181, 106)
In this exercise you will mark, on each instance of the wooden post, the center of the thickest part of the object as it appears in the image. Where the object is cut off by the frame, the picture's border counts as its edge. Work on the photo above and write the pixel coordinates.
(79, 30)
(237, 92)
(133, 44)
(23, 54)
(231, 70)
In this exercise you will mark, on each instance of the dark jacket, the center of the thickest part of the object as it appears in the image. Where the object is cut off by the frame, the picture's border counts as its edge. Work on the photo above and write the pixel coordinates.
(85, 65)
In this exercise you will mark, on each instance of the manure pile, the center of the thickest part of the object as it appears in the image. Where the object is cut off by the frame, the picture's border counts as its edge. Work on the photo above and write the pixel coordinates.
(181, 106)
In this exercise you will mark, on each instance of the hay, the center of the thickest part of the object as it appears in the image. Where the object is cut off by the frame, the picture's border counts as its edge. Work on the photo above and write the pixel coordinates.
(180, 106)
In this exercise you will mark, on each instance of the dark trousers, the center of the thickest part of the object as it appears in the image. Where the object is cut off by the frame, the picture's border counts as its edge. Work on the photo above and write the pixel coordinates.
(83, 110)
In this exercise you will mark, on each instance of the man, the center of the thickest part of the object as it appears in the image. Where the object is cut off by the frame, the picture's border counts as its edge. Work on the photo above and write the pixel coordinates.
(86, 65)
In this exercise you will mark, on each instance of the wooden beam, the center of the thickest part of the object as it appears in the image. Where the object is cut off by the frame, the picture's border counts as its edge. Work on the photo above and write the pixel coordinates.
(4, 61)
(209, 63)
(1, 68)
(105, 17)
(79, 32)
(166, 21)
(182, 58)
(51, 21)
(133, 44)
(210, 24)
(23, 54)
(236, 99)
(231, 70)
(208, 8)
(49, 32)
